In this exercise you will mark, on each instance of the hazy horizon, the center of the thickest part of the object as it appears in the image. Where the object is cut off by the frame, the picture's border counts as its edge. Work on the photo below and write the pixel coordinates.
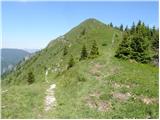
(32, 25)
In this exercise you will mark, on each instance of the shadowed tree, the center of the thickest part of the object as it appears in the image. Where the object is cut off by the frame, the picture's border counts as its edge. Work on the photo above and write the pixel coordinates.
(30, 78)
(84, 53)
(65, 51)
(94, 50)
(71, 62)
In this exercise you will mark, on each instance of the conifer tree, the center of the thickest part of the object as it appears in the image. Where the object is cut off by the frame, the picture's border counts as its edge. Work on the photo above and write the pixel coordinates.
(126, 29)
(71, 62)
(30, 78)
(135, 43)
(133, 28)
(94, 50)
(111, 25)
(121, 27)
(84, 53)
(65, 51)
(124, 49)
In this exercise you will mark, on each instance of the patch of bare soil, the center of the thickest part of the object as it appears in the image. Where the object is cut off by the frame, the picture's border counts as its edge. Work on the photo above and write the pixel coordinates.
(95, 71)
(100, 105)
(118, 85)
(95, 94)
(148, 100)
(94, 102)
(104, 106)
(121, 96)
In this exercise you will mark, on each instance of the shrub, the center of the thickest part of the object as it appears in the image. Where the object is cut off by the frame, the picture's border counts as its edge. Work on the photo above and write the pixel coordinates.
(104, 44)
(81, 78)
(84, 53)
(65, 51)
(71, 62)
(30, 78)
(94, 50)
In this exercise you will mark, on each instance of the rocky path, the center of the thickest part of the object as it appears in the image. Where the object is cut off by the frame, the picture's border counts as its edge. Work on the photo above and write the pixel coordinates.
(50, 100)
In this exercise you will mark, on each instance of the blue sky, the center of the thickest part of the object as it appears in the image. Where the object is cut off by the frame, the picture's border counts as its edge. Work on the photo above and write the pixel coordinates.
(35, 24)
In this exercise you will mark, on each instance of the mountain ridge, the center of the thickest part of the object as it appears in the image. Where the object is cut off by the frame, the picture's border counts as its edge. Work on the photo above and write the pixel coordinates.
(99, 87)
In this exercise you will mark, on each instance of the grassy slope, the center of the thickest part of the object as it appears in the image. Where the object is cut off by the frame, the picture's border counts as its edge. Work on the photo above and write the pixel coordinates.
(86, 77)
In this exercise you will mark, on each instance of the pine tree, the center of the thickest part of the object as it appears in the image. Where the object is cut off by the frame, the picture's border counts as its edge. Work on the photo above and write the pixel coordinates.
(121, 27)
(155, 39)
(84, 53)
(83, 32)
(111, 25)
(71, 62)
(139, 47)
(94, 50)
(65, 51)
(124, 49)
(126, 29)
(30, 78)
(138, 27)
(135, 43)
(133, 28)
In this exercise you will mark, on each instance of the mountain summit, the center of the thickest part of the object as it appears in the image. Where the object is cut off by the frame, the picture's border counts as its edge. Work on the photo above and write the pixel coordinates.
(78, 76)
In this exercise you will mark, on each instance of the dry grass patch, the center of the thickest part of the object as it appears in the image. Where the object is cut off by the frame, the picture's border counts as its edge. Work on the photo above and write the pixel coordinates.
(147, 100)
(121, 96)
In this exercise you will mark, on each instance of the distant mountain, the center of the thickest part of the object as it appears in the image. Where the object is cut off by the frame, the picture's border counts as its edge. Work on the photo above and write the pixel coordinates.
(10, 57)
(31, 50)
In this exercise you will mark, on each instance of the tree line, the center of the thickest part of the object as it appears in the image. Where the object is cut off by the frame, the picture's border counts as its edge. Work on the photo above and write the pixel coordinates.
(140, 43)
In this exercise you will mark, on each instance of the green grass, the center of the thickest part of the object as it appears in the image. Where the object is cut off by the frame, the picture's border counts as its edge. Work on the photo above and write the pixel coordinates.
(23, 101)
(75, 85)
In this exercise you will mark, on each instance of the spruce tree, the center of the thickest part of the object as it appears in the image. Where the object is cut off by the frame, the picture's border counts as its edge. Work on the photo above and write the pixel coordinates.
(133, 28)
(65, 51)
(121, 27)
(111, 25)
(30, 78)
(124, 49)
(71, 62)
(135, 44)
(126, 29)
(139, 46)
(84, 53)
(94, 50)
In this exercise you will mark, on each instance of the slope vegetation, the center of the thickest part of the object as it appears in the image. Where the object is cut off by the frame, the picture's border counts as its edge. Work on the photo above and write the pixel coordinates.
(100, 87)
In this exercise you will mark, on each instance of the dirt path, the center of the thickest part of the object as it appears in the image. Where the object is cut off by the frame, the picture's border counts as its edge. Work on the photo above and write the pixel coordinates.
(46, 76)
(113, 38)
(50, 100)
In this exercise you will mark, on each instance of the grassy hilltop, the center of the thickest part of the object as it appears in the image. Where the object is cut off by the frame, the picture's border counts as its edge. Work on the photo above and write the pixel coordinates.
(99, 87)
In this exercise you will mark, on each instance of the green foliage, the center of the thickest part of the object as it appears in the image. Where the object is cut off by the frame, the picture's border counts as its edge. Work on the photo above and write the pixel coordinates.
(133, 28)
(65, 51)
(30, 78)
(84, 53)
(71, 62)
(121, 27)
(124, 49)
(111, 25)
(104, 44)
(155, 38)
(81, 78)
(126, 29)
(83, 32)
(88, 81)
(105, 96)
(94, 50)
(136, 43)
